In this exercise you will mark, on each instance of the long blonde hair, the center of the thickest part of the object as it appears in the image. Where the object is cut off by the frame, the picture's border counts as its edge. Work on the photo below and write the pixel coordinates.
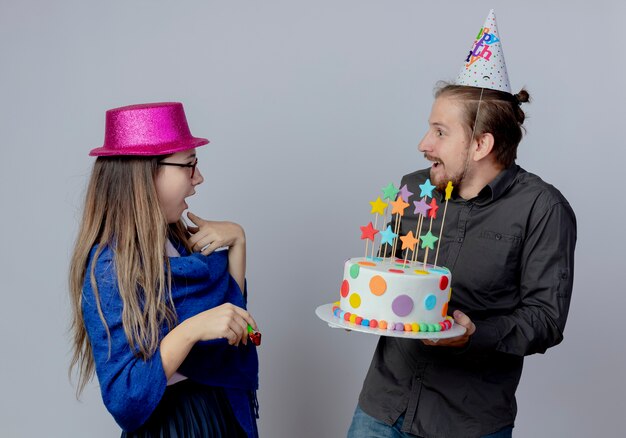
(122, 212)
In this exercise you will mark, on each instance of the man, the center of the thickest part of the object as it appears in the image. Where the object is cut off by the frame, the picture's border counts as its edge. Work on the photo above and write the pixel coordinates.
(509, 241)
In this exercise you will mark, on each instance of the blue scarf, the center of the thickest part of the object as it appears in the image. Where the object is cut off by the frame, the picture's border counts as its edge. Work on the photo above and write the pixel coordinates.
(131, 387)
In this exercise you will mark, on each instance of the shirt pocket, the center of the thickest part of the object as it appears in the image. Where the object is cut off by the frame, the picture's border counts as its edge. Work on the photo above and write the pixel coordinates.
(499, 255)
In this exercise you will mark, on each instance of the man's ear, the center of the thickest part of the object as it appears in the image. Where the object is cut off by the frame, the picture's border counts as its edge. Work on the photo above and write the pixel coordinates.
(484, 146)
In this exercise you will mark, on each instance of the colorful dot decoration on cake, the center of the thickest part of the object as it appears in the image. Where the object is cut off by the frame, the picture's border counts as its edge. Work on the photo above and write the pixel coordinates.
(378, 285)
(375, 259)
(437, 270)
(354, 270)
(430, 302)
(345, 288)
(402, 305)
(355, 300)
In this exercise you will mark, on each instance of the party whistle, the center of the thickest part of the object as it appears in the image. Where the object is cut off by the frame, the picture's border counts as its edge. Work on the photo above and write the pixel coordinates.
(254, 336)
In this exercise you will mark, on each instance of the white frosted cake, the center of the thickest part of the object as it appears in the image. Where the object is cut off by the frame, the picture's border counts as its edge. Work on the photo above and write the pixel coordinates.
(390, 294)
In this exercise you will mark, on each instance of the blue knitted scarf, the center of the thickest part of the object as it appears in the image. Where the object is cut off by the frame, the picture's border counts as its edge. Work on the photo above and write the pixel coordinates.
(131, 387)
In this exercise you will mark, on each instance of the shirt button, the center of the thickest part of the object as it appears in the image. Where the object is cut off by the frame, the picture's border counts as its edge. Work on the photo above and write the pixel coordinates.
(498, 236)
(459, 239)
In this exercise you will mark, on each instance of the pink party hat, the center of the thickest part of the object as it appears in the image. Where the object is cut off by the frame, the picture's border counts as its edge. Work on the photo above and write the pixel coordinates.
(147, 129)
(484, 65)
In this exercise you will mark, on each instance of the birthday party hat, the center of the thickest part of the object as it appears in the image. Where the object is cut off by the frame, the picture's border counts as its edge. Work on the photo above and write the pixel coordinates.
(484, 65)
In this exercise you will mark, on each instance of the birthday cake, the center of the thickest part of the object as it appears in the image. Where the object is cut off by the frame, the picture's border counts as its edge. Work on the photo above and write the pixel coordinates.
(390, 293)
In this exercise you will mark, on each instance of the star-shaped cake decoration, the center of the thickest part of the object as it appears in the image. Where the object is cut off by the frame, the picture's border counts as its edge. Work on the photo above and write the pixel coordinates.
(421, 207)
(432, 213)
(408, 241)
(398, 206)
(368, 232)
(387, 236)
(378, 206)
(426, 189)
(404, 192)
(449, 188)
(390, 192)
(428, 240)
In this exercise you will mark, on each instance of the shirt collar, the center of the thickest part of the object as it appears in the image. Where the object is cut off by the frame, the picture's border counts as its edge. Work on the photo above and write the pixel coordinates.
(498, 186)
(493, 190)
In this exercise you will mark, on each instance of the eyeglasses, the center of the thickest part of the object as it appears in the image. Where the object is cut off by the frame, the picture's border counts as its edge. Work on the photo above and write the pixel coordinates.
(192, 165)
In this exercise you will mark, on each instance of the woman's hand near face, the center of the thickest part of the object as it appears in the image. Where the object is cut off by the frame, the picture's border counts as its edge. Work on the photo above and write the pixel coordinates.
(207, 236)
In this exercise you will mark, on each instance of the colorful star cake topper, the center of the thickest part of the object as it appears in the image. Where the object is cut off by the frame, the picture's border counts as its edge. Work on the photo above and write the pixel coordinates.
(405, 193)
(426, 189)
(387, 236)
(428, 240)
(421, 207)
(378, 206)
(390, 192)
(408, 241)
(399, 206)
(484, 65)
(449, 188)
(432, 213)
(368, 232)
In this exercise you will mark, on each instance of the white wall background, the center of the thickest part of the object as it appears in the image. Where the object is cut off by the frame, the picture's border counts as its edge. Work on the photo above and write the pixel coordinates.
(311, 108)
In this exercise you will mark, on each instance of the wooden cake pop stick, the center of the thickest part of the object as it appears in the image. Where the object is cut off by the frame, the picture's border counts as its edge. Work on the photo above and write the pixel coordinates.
(408, 242)
(449, 188)
(398, 209)
(389, 193)
(421, 209)
(367, 233)
(378, 208)
(432, 214)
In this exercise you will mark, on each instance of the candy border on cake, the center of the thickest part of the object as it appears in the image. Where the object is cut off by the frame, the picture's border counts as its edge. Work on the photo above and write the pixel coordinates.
(416, 327)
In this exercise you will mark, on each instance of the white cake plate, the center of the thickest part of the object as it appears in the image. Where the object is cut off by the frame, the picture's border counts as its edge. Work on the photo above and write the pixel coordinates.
(325, 313)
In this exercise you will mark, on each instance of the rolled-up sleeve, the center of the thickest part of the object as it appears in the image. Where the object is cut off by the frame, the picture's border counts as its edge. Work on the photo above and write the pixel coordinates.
(545, 288)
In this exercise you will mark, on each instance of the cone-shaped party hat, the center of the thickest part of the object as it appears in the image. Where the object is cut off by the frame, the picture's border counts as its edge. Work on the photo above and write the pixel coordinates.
(484, 65)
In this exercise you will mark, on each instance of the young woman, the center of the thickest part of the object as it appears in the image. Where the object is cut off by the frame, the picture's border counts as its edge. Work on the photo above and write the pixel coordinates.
(158, 313)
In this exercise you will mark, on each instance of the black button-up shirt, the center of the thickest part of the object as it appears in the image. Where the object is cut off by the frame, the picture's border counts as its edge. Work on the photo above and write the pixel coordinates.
(511, 254)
